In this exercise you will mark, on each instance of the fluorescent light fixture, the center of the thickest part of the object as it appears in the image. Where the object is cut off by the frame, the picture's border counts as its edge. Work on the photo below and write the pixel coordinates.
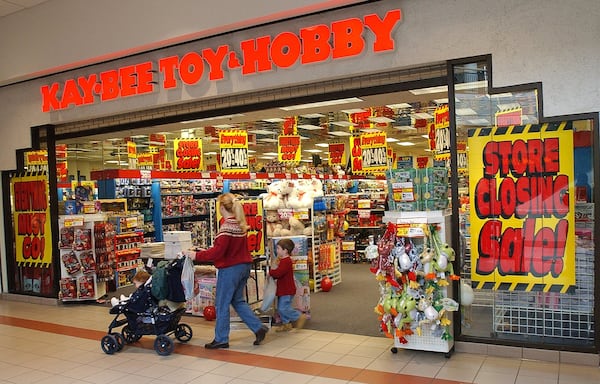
(380, 119)
(270, 153)
(425, 91)
(399, 106)
(342, 123)
(213, 118)
(224, 126)
(422, 115)
(138, 136)
(251, 151)
(211, 153)
(309, 127)
(313, 115)
(406, 143)
(391, 140)
(353, 110)
(304, 138)
(267, 157)
(441, 101)
(500, 95)
(425, 136)
(465, 112)
(322, 145)
(261, 132)
(339, 133)
(313, 150)
(471, 85)
(267, 140)
(306, 160)
(322, 104)
(274, 120)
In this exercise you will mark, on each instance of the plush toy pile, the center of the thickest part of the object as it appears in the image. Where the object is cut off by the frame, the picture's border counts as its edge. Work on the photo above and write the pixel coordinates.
(289, 194)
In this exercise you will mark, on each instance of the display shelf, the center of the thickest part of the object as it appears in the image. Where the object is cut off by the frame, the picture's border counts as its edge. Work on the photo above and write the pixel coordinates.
(127, 257)
(82, 270)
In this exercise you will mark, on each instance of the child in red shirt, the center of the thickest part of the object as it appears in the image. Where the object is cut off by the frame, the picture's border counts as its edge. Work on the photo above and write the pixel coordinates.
(286, 287)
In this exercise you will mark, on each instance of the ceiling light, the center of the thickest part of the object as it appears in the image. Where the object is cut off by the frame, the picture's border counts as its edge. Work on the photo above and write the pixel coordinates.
(471, 85)
(422, 115)
(406, 143)
(267, 157)
(261, 132)
(342, 123)
(340, 133)
(274, 120)
(441, 101)
(391, 140)
(353, 110)
(313, 150)
(425, 136)
(465, 112)
(322, 104)
(380, 119)
(425, 91)
(224, 126)
(500, 95)
(322, 145)
(309, 127)
(313, 115)
(251, 151)
(213, 118)
(270, 153)
(267, 140)
(399, 106)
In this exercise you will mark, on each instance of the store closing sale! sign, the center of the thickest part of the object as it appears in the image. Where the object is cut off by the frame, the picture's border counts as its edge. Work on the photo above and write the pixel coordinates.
(33, 235)
(521, 181)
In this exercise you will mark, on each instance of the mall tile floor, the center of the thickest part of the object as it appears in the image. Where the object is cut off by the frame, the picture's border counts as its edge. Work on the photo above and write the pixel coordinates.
(61, 344)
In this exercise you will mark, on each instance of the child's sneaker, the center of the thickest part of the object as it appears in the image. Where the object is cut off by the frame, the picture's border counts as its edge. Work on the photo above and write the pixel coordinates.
(284, 327)
(114, 301)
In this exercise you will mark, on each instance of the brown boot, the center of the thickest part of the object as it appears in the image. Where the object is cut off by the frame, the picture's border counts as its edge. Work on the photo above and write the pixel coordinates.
(301, 321)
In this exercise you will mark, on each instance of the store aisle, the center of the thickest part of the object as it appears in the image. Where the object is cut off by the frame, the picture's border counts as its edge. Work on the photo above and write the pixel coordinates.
(61, 344)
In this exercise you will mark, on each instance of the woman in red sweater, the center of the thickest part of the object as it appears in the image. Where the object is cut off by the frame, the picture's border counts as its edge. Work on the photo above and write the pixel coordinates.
(233, 261)
(286, 287)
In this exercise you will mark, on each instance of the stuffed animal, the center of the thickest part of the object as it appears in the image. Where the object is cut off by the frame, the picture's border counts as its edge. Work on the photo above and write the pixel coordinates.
(273, 199)
(296, 226)
(272, 219)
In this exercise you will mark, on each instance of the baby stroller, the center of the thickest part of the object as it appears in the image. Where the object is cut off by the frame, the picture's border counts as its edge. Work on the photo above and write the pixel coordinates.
(141, 315)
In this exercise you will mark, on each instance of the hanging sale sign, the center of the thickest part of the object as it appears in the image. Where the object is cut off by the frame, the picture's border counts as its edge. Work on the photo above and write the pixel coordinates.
(233, 146)
(337, 154)
(288, 148)
(369, 153)
(188, 155)
(31, 215)
(521, 180)
(442, 133)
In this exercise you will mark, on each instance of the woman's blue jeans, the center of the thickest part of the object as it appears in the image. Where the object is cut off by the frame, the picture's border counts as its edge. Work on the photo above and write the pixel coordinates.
(231, 282)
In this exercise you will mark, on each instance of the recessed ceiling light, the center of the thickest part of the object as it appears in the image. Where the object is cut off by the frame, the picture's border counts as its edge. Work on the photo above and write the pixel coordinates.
(340, 133)
(313, 150)
(313, 115)
(309, 127)
(441, 101)
(405, 128)
(370, 130)
(399, 106)
(322, 104)
(261, 132)
(267, 140)
(322, 145)
(405, 143)
(391, 140)
(274, 120)
(353, 110)
(342, 123)
(380, 119)
(421, 115)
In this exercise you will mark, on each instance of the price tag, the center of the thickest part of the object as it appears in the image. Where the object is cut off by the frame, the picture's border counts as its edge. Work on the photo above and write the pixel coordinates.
(285, 213)
(131, 222)
(364, 213)
(75, 221)
(145, 174)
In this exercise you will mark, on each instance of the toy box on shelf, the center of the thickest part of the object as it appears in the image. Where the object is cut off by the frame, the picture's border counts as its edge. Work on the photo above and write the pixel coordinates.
(127, 247)
(414, 267)
(82, 274)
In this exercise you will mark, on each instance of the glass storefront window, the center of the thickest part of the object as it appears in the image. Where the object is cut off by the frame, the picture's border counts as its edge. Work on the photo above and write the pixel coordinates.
(526, 217)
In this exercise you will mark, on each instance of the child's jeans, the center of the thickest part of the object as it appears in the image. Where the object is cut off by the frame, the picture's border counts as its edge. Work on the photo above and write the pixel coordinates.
(285, 309)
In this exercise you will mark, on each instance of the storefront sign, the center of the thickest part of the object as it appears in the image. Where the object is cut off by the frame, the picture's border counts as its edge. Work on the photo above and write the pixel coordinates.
(233, 145)
(318, 43)
(33, 239)
(188, 155)
(521, 182)
(288, 149)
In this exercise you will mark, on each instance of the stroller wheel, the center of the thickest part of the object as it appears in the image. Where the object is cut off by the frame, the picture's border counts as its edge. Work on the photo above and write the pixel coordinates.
(120, 340)
(163, 345)
(109, 344)
(129, 336)
(183, 333)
